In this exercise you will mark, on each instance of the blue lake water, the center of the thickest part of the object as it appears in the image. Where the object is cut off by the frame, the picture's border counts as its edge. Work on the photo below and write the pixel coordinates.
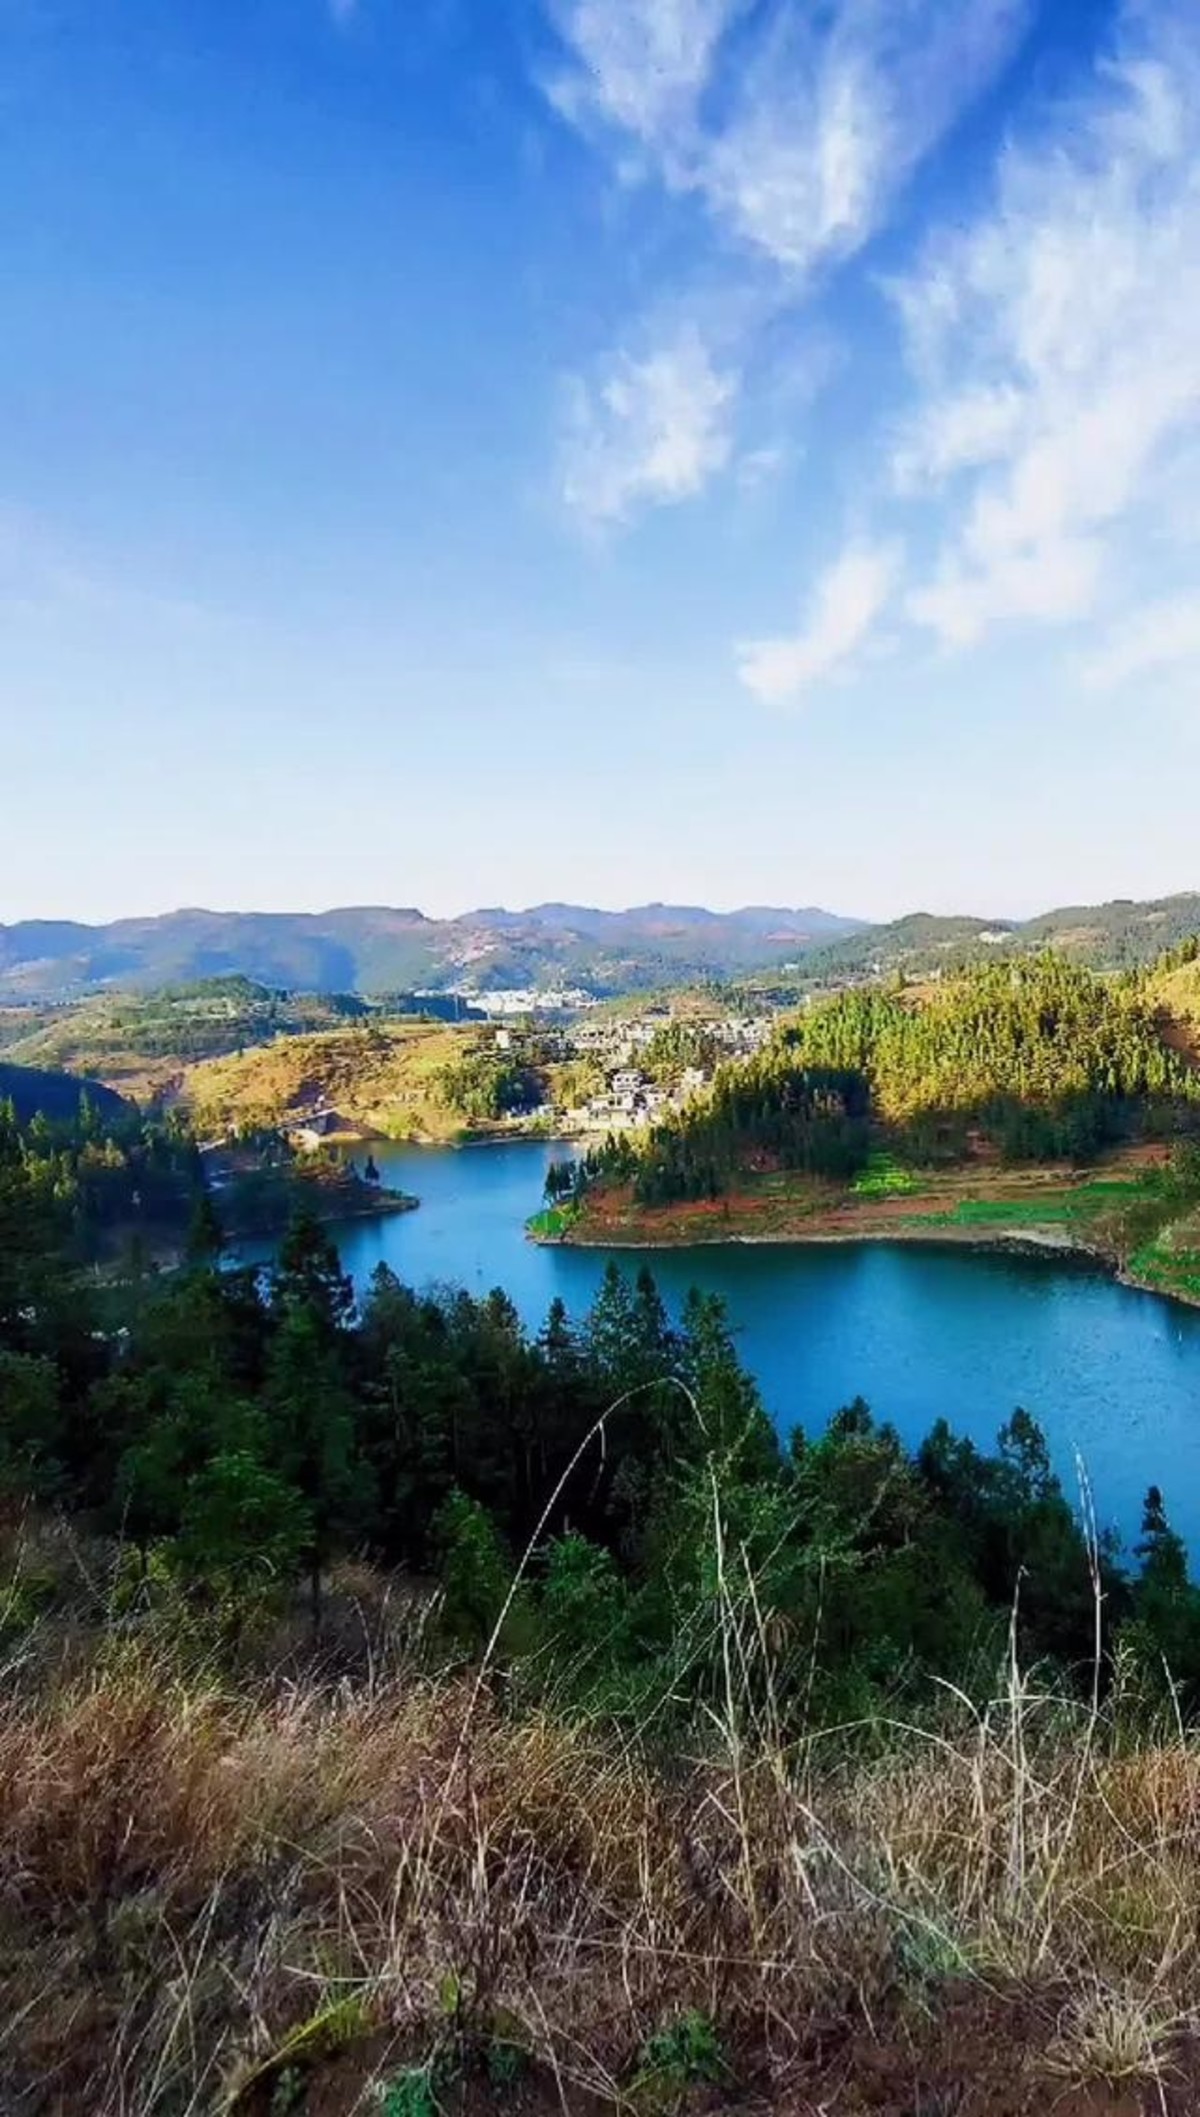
(1113, 1376)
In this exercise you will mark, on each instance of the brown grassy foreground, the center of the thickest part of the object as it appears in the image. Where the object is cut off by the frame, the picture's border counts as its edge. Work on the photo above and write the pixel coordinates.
(392, 1893)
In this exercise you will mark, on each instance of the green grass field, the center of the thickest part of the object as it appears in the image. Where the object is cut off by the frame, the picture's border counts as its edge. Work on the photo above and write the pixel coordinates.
(1080, 1203)
(551, 1223)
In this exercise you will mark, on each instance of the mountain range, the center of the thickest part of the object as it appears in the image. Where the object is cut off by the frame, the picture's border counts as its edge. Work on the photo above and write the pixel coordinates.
(377, 949)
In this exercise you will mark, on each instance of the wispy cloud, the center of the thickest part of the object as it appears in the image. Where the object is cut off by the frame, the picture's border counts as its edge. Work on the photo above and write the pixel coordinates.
(640, 66)
(1056, 346)
(47, 576)
(846, 604)
(1054, 359)
(833, 111)
(343, 12)
(650, 430)
(799, 143)
(1051, 355)
(795, 129)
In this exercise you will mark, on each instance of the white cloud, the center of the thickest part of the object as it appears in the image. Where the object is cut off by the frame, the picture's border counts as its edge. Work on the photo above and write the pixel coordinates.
(799, 144)
(1162, 637)
(794, 127)
(1057, 345)
(758, 468)
(639, 65)
(847, 601)
(1055, 583)
(833, 112)
(963, 432)
(650, 432)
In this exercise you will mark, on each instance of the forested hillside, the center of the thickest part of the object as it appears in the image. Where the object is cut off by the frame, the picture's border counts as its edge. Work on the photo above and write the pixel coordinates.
(1026, 1060)
(1121, 935)
(80, 1171)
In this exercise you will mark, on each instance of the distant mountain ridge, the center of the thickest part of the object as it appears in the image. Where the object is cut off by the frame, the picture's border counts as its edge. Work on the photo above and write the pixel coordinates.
(377, 948)
(1118, 935)
(381, 949)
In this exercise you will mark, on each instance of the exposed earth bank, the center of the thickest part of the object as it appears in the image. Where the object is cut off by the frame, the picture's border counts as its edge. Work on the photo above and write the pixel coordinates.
(1112, 1216)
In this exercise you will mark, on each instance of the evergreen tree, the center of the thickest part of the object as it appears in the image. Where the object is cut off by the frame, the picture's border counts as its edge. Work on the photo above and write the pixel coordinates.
(308, 1277)
(206, 1237)
(312, 1440)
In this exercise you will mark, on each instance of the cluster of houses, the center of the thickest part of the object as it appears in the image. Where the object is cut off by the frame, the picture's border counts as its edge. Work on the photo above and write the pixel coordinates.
(618, 1041)
(631, 1099)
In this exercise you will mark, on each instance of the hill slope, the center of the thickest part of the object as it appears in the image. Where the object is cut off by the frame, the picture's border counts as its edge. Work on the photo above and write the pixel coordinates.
(1030, 1102)
(1031, 1061)
(386, 1080)
(139, 1043)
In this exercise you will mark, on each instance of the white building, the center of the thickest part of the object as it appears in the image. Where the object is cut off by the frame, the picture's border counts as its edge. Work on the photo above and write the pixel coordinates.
(627, 1082)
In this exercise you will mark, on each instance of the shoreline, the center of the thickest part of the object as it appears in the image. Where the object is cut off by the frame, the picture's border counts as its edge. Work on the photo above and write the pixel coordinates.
(1048, 1243)
(454, 1141)
(329, 1209)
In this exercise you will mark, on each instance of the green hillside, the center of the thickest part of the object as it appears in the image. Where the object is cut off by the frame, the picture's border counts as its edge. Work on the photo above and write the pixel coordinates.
(1030, 1059)
(1120, 935)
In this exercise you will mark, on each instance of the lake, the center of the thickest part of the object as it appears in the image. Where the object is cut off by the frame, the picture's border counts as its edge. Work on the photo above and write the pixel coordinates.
(1112, 1375)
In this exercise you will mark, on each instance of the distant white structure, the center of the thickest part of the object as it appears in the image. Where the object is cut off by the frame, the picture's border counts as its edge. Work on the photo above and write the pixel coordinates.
(516, 1000)
(311, 1127)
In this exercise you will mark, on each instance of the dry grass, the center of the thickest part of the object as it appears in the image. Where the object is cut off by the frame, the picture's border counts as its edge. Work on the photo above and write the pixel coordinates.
(386, 1081)
(201, 1891)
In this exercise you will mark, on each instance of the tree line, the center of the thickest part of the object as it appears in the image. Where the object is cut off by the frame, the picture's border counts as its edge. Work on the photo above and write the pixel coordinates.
(233, 1431)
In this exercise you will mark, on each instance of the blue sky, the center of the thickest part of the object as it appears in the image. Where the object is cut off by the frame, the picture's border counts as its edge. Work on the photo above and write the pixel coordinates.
(473, 451)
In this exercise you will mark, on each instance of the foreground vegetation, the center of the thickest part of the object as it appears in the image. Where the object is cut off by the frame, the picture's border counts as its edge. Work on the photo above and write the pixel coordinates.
(392, 1892)
(405, 1711)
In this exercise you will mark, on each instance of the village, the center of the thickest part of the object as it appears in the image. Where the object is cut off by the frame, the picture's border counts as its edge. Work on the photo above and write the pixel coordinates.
(579, 1078)
(636, 1084)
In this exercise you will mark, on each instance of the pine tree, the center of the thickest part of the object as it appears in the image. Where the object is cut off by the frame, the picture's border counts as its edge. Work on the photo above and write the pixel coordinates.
(206, 1237)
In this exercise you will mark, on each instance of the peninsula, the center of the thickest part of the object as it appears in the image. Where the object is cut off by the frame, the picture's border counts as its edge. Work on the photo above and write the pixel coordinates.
(1034, 1105)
